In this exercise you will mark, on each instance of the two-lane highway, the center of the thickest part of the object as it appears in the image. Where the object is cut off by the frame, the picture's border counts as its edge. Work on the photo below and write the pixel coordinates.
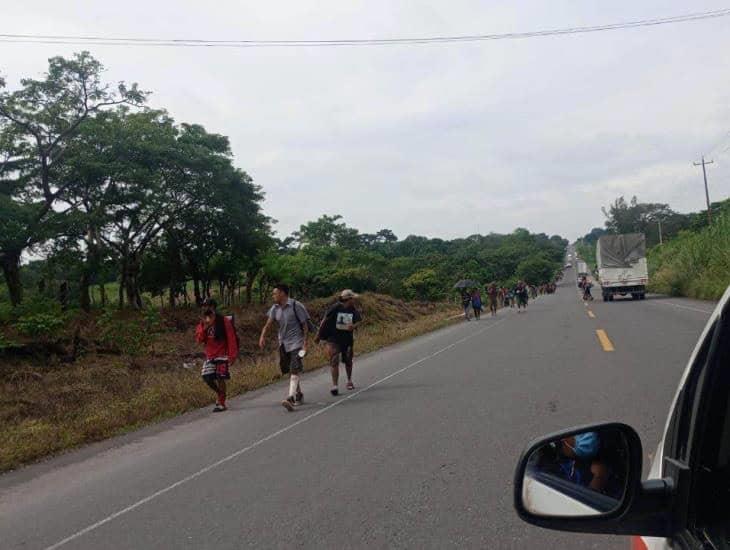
(420, 455)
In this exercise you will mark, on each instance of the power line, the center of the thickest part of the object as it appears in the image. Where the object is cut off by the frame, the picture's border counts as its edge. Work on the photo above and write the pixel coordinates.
(110, 41)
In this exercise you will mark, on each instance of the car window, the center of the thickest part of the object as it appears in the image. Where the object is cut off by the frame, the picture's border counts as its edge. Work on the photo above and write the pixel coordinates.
(683, 417)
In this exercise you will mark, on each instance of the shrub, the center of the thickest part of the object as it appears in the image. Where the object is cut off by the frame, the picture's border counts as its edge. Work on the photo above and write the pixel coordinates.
(40, 325)
(424, 285)
(130, 336)
(6, 313)
(5, 343)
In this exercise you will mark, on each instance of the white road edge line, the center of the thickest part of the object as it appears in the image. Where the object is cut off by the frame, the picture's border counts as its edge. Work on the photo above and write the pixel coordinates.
(685, 307)
(277, 433)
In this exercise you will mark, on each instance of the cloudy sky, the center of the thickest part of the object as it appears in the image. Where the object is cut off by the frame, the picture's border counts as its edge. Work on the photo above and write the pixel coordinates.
(438, 140)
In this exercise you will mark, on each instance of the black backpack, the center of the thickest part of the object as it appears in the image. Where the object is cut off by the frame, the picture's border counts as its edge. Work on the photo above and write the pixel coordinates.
(310, 324)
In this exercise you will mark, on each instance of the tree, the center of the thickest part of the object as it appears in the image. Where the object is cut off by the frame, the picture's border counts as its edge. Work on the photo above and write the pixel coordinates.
(328, 231)
(638, 217)
(536, 270)
(424, 285)
(593, 235)
(42, 117)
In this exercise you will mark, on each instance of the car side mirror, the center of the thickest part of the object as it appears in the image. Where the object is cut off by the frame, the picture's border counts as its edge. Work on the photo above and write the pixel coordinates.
(588, 479)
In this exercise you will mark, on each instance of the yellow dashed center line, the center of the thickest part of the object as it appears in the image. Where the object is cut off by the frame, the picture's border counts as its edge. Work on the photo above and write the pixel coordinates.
(591, 314)
(604, 340)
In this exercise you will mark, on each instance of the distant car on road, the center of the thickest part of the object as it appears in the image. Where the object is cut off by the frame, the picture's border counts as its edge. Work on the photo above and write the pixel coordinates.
(588, 479)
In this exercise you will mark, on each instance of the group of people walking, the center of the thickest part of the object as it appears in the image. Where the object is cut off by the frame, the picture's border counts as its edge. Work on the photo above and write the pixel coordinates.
(501, 296)
(294, 325)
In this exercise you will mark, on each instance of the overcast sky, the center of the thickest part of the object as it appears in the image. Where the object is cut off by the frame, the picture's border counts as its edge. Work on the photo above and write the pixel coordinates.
(437, 140)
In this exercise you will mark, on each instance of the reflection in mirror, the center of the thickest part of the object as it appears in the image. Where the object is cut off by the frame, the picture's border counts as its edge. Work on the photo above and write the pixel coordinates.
(584, 474)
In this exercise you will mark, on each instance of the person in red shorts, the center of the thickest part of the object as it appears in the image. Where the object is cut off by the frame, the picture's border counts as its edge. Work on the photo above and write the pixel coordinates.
(221, 349)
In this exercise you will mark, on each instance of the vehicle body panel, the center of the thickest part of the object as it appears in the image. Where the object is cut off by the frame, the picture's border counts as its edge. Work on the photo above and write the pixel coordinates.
(621, 263)
(541, 496)
(656, 470)
(623, 277)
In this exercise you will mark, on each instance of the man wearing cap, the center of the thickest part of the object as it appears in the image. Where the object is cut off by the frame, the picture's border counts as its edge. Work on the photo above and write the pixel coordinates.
(337, 329)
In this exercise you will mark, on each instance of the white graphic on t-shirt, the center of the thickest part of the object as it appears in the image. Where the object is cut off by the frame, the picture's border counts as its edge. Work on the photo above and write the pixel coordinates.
(344, 320)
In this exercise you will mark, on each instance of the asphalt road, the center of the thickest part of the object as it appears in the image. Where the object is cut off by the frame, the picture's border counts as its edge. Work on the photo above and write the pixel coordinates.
(420, 455)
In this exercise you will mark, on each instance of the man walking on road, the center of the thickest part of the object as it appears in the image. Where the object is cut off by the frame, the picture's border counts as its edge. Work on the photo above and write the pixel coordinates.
(521, 294)
(292, 318)
(337, 329)
(476, 304)
(466, 303)
(492, 296)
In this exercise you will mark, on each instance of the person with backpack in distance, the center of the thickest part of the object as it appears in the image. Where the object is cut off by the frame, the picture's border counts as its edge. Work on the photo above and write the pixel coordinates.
(476, 303)
(221, 350)
(294, 326)
(337, 330)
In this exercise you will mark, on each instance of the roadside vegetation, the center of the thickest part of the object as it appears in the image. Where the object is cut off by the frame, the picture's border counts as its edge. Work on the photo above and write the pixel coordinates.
(116, 221)
(136, 367)
(694, 257)
(694, 263)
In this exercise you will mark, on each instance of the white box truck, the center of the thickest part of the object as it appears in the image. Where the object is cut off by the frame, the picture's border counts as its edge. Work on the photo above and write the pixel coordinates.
(621, 262)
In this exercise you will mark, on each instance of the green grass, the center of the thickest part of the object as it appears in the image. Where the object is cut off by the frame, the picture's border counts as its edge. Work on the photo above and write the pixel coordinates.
(695, 264)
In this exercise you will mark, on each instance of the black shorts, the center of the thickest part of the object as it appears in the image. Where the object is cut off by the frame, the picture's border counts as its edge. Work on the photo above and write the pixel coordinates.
(340, 351)
(289, 361)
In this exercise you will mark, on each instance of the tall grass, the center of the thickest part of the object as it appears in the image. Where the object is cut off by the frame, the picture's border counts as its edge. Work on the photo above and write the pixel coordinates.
(694, 264)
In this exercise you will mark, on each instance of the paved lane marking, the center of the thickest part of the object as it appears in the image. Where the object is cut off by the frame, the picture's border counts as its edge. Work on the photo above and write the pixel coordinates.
(591, 314)
(685, 307)
(261, 441)
(605, 341)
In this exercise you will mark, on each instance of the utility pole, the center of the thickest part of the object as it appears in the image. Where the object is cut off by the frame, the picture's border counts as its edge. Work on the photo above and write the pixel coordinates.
(660, 231)
(707, 193)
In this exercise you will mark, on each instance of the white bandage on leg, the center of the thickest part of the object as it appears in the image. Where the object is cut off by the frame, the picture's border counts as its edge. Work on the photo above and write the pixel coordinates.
(293, 384)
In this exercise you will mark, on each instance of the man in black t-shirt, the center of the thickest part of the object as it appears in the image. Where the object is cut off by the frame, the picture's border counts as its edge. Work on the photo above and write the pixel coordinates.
(337, 329)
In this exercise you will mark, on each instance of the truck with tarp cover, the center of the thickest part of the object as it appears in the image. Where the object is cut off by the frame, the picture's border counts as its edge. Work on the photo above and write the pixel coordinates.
(622, 268)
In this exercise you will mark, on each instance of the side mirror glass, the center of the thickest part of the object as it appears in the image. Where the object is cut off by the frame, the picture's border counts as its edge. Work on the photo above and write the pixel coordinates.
(584, 473)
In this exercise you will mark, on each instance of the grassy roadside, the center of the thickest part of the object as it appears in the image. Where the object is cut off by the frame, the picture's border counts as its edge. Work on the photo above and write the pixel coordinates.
(48, 406)
(695, 264)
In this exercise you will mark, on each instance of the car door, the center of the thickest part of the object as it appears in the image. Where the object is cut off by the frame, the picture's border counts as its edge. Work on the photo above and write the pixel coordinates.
(697, 444)
(686, 501)
(708, 514)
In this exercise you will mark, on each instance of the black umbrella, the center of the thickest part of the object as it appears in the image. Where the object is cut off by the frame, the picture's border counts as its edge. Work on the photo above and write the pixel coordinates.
(467, 283)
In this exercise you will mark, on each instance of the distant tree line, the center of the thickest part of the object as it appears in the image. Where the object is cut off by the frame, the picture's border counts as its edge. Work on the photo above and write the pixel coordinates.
(97, 188)
(632, 216)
